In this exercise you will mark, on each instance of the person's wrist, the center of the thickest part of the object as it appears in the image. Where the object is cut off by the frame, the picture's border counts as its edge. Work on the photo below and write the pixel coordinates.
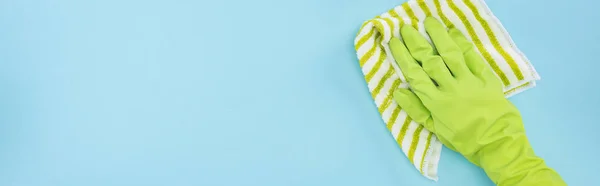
(507, 155)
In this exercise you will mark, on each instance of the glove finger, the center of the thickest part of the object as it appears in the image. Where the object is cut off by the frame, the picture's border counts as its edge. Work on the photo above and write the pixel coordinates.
(412, 105)
(474, 61)
(423, 52)
(414, 74)
(446, 47)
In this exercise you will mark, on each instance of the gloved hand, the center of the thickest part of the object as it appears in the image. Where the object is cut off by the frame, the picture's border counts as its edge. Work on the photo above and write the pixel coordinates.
(465, 106)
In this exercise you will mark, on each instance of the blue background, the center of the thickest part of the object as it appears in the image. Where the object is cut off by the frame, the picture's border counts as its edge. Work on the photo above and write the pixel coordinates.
(261, 92)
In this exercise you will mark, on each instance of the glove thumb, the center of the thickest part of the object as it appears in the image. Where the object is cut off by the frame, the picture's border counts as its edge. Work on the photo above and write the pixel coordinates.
(413, 106)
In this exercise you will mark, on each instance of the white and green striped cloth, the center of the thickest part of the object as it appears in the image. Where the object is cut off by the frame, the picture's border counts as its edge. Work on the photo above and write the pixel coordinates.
(383, 76)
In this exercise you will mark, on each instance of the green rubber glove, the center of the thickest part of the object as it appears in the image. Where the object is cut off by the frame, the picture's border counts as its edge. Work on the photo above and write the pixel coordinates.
(464, 105)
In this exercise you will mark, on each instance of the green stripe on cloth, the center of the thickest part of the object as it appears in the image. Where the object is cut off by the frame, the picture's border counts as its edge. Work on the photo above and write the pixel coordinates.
(403, 130)
(488, 30)
(395, 113)
(442, 15)
(517, 88)
(390, 23)
(376, 67)
(380, 84)
(393, 13)
(424, 7)
(368, 55)
(426, 150)
(478, 43)
(413, 18)
(388, 97)
(371, 51)
(415, 142)
(364, 39)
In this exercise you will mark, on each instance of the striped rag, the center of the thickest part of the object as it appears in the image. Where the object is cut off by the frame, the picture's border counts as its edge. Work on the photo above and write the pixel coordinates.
(474, 19)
